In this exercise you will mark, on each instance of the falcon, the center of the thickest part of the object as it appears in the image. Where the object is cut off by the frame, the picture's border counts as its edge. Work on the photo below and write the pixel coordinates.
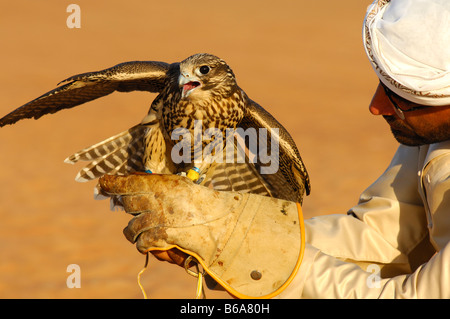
(200, 89)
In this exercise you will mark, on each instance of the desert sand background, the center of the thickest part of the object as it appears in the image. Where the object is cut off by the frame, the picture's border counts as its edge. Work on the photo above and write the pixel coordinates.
(301, 60)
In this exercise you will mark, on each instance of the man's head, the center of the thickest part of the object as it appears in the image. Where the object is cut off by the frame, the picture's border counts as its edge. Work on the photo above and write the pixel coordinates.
(408, 44)
(427, 125)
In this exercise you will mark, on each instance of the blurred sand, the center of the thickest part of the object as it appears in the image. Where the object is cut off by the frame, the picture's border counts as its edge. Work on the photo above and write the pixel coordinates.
(302, 60)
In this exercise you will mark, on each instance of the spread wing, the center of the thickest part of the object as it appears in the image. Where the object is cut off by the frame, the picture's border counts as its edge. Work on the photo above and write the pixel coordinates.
(85, 87)
(281, 175)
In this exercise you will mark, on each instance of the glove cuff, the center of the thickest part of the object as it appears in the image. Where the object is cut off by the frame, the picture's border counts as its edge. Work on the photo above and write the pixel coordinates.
(264, 251)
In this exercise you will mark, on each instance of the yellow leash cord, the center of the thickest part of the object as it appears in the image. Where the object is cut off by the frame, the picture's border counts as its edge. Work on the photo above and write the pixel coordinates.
(139, 276)
(199, 275)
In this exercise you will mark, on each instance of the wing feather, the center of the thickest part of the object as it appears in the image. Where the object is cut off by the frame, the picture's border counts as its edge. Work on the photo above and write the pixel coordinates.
(78, 89)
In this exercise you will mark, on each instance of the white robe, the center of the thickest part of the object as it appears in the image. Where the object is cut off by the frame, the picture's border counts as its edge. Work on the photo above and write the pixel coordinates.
(393, 244)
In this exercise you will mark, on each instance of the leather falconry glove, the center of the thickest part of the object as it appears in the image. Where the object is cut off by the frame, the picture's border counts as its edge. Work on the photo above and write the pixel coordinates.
(251, 245)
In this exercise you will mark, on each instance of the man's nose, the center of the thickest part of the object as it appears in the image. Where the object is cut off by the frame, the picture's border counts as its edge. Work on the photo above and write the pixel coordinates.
(380, 104)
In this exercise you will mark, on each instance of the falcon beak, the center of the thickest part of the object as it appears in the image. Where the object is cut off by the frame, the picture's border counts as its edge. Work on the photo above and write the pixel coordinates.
(188, 83)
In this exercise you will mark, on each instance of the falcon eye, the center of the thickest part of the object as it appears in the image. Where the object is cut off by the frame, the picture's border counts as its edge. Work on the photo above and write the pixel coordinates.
(204, 69)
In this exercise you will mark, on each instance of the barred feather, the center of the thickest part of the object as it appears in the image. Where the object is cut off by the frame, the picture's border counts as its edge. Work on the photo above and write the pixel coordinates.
(238, 177)
(241, 177)
(119, 154)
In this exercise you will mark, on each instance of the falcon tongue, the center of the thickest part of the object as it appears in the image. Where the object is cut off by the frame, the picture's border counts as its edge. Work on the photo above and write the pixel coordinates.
(190, 86)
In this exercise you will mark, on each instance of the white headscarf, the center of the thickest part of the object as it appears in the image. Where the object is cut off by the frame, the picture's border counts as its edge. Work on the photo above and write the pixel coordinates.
(408, 44)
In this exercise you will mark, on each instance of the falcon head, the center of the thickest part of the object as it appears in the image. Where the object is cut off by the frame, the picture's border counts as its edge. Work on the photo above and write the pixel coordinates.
(204, 75)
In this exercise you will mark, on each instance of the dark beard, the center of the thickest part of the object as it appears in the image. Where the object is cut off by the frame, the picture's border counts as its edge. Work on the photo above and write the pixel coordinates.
(405, 135)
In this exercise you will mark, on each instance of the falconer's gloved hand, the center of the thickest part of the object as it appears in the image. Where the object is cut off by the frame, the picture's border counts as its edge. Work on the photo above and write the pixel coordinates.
(250, 244)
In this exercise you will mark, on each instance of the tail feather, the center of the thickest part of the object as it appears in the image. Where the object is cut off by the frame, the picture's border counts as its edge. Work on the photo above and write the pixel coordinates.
(107, 164)
(119, 154)
(242, 177)
(101, 149)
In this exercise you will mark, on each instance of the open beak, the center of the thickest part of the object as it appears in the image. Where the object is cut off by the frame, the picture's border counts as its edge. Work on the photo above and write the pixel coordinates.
(188, 83)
